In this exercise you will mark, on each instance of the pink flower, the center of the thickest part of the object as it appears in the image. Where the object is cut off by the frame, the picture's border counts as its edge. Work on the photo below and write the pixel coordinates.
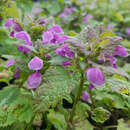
(63, 15)
(34, 80)
(121, 51)
(24, 37)
(16, 75)
(56, 29)
(47, 37)
(66, 63)
(86, 18)
(64, 50)
(10, 62)
(128, 31)
(24, 49)
(53, 35)
(95, 76)
(35, 64)
(12, 34)
(109, 27)
(17, 27)
(9, 23)
(85, 96)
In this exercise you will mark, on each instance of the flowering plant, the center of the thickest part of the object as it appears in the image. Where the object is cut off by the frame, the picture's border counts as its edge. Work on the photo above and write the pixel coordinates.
(61, 80)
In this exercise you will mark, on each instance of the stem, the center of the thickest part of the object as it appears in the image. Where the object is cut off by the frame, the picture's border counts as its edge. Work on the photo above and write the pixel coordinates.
(77, 97)
(92, 99)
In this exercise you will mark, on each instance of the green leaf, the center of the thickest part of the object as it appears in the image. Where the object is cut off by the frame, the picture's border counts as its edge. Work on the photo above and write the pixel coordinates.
(107, 33)
(13, 11)
(58, 84)
(8, 95)
(58, 120)
(100, 115)
(52, 8)
(123, 125)
(84, 125)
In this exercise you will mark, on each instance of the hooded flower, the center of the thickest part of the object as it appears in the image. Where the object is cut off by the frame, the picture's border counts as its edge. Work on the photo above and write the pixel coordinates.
(35, 64)
(23, 36)
(66, 63)
(64, 50)
(109, 27)
(12, 34)
(85, 96)
(9, 23)
(12, 23)
(121, 51)
(24, 49)
(10, 62)
(95, 76)
(17, 27)
(16, 75)
(56, 29)
(34, 80)
(54, 35)
(128, 31)
(66, 12)
(86, 18)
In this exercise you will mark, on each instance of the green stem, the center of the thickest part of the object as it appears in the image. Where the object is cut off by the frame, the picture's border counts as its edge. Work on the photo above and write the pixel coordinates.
(92, 99)
(77, 97)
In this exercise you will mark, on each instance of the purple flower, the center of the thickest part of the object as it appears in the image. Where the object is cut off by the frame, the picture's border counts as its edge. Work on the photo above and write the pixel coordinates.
(53, 35)
(12, 34)
(109, 27)
(91, 87)
(24, 37)
(24, 49)
(86, 18)
(34, 80)
(47, 56)
(56, 29)
(95, 76)
(64, 50)
(43, 22)
(9, 23)
(62, 39)
(66, 63)
(128, 31)
(66, 12)
(47, 37)
(121, 51)
(85, 96)
(101, 60)
(35, 64)
(17, 27)
(16, 75)
(10, 62)
(63, 15)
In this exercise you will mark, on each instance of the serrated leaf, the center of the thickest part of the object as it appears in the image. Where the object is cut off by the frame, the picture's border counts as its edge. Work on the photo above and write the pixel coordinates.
(100, 115)
(8, 95)
(83, 125)
(58, 83)
(58, 120)
(123, 125)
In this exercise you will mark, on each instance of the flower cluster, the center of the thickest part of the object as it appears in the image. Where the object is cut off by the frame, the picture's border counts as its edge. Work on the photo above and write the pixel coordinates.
(120, 51)
(86, 18)
(54, 35)
(14, 24)
(23, 36)
(34, 79)
(66, 12)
